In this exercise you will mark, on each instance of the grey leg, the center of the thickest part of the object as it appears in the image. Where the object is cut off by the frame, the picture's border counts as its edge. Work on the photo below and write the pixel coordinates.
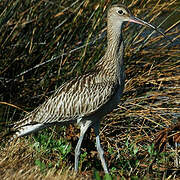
(83, 128)
(99, 148)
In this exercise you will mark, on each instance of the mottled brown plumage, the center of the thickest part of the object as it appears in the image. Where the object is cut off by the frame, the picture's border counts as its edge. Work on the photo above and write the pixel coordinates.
(86, 99)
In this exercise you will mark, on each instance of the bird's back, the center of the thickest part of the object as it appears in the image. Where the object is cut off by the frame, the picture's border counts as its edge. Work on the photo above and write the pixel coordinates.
(93, 94)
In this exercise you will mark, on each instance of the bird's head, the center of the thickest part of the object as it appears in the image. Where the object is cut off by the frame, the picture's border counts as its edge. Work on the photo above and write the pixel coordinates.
(118, 14)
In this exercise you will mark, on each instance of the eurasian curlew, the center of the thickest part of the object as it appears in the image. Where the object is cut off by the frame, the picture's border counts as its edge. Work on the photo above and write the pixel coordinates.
(86, 99)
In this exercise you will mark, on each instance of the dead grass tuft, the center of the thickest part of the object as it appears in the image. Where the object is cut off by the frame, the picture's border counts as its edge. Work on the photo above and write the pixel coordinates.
(16, 162)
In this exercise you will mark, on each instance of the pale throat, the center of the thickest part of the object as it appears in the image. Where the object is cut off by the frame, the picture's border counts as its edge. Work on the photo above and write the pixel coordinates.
(114, 38)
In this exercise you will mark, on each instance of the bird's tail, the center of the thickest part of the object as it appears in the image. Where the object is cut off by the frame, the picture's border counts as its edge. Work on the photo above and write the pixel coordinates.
(21, 128)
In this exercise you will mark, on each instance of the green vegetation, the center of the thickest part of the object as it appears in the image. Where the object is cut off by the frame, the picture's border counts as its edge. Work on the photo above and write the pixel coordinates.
(45, 43)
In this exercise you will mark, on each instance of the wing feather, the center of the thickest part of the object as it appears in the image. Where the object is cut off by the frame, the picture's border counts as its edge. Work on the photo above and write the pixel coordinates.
(77, 98)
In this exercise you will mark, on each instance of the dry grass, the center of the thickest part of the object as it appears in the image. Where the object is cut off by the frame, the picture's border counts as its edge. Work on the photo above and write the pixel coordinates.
(16, 162)
(44, 43)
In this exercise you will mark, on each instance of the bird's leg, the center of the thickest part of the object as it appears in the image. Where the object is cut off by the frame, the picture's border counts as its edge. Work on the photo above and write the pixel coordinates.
(83, 128)
(99, 148)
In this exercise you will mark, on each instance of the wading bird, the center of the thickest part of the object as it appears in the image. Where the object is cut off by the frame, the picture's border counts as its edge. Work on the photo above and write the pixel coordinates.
(86, 99)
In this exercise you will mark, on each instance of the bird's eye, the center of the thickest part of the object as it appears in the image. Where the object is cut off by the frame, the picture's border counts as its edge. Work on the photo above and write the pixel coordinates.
(121, 12)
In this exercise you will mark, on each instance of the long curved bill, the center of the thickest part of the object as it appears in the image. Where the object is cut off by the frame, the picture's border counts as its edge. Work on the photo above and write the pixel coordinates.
(139, 21)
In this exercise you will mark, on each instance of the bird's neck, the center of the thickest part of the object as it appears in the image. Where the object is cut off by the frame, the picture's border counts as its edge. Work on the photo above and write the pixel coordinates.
(115, 42)
(111, 65)
(112, 61)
